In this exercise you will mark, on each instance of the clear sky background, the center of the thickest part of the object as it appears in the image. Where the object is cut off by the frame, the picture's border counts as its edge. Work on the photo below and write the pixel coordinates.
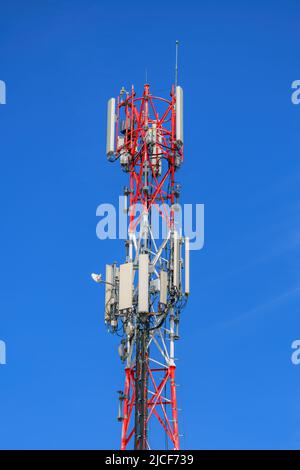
(61, 61)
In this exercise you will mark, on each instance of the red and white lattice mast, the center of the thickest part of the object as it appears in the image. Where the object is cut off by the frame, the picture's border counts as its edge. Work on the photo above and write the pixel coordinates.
(145, 295)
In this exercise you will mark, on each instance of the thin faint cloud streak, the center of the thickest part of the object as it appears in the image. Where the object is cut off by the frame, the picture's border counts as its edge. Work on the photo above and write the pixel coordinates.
(264, 306)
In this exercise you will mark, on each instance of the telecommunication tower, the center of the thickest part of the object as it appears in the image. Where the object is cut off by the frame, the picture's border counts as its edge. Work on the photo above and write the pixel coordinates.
(145, 294)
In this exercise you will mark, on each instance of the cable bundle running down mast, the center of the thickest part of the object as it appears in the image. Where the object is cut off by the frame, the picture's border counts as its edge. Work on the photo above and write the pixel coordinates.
(145, 295)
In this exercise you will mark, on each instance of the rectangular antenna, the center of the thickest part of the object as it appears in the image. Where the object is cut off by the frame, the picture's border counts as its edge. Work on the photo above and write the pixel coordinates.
(179, 116)
(110, 136)
(187, 266)
(143, 306)
(163, 287)
(108, 290)
(126, 284)
(176, 261)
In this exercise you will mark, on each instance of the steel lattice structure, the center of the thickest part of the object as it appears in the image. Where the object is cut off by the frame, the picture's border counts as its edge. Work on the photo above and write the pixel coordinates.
(145, 295)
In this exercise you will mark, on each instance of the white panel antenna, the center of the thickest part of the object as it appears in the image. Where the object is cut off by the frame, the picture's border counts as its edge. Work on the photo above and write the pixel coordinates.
(179, 116)
(125, 288)
(176, 261)
(108, 290)
(163, 287)
(187, 266)
(143, 303)
(110, 136)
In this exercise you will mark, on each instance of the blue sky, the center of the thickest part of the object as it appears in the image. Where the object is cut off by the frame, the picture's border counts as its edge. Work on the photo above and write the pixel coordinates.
(61, 61)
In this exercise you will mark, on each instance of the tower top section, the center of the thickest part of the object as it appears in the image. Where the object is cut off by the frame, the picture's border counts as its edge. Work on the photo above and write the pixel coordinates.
(145, 133)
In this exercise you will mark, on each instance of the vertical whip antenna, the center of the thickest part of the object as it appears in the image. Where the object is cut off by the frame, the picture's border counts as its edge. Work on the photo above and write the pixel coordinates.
(176, 63)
